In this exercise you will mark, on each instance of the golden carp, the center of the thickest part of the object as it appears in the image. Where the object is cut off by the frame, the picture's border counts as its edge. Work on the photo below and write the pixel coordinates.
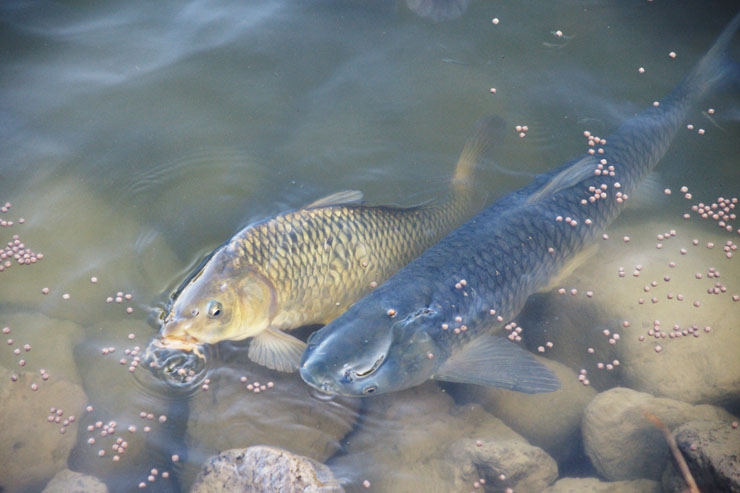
(309, 265)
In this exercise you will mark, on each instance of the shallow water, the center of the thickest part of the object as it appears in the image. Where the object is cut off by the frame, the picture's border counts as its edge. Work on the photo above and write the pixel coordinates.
(137, 137)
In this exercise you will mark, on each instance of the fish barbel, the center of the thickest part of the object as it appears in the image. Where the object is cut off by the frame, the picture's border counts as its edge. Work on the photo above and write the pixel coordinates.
(438, 316)
(309, 265)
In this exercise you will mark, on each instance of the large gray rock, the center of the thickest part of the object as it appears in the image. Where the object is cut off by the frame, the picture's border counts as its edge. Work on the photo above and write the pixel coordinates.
(595, 485)
(419, 440)
(551, 421)
(620, 441)
(700, 369)
(290, 415)
(32, 449)
(261, 468)
(81, 236)
(67, 481)
(712, 452)
(525, 467)
(51, 342)
(118, 395)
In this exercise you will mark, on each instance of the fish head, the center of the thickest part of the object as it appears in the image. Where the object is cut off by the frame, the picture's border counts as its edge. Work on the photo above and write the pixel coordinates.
(219, 304)
(362, 354)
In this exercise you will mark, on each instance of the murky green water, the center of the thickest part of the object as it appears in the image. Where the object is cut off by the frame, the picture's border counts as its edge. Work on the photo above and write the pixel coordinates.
(138, 136)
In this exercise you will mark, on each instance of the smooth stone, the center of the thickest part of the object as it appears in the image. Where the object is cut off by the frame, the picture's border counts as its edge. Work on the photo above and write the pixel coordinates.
(698, 370)
(67, 481)
(711, 450)
(526, 468)
(263, 468)
(620, 441)
(551, 421)
(118, 395)
(419, 440)
(291, 416)
(595, 485)
(33, 450)
(52, 344)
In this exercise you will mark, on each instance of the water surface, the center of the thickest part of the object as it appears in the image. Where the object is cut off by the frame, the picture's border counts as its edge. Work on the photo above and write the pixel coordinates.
(136, 137)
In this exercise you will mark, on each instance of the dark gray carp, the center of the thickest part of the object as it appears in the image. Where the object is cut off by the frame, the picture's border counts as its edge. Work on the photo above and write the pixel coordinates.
(438, 317)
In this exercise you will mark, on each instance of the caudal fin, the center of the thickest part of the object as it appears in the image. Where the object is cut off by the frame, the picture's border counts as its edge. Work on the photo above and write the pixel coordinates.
(715, 67)
(486, 133)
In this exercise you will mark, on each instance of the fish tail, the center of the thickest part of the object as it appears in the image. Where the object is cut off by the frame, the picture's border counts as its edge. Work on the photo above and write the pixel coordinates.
(715, 67)
(486, 132)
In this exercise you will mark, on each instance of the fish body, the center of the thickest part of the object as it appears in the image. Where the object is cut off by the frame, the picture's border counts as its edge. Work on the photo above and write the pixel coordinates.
(307, 266)
(438, 317)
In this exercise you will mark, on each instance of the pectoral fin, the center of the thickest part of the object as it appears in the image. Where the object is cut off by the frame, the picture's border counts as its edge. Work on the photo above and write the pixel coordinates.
(570, 176)
(497, 362)
(276, 350)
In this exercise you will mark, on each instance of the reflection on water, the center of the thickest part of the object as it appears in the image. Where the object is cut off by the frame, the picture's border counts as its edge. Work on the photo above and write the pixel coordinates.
(137, 137)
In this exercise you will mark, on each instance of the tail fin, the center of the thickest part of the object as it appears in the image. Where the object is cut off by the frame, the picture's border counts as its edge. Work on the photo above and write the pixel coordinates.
(485, 133)
(714, 67)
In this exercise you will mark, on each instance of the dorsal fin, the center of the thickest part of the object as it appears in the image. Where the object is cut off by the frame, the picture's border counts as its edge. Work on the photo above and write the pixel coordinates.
(339, 198)
(576, 172)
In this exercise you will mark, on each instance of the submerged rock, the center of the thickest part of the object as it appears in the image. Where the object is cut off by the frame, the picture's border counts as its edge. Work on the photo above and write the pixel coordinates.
(263, 469)
(691, 338)
(118, 397)
(288, 414)
(43, 343)
(621, 442)
(32, 447)
(594, 485)
(81, 235)
(551, 421)
(711, 450)
(419, 440)
(67, 481)
(502, 463)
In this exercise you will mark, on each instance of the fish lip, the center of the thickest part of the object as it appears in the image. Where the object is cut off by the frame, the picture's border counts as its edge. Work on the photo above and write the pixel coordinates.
(184, 342)
(320, 384)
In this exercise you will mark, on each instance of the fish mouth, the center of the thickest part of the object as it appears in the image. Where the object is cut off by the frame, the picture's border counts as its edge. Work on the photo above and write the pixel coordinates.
(320, 383)
(184, 342)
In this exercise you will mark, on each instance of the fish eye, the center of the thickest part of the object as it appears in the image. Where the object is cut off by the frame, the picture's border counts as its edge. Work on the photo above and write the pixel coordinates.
(214, 308)
(369, 389)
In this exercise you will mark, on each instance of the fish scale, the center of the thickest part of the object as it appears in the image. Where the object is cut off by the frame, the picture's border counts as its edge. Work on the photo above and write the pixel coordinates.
(328, 255)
